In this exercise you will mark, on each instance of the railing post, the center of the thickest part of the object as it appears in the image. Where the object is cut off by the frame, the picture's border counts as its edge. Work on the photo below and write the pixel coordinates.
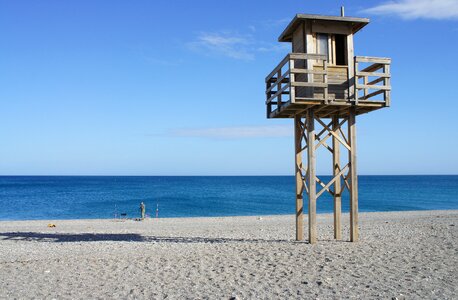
(269, 104)
(365, 90)
(279, 80)
(354, 82)
(325, 81)
(309, 91)
(353, 176)
(386, 82)
(311, 175)
(292, 78)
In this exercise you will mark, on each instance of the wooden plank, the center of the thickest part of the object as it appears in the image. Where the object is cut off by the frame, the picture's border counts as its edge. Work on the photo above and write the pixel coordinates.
(331, 27)
(310, 47)
(374, 74)
(292, 78)
(304, 56)
(325, 82)
(277, 93)
(308, 71)
(372, 68)
(326, 187)
(309, 84)
(365, 90)
(284, 80)
(375, 81)
(387, 83)
(274, 80)
(280, 94)
(335, 135)
(372, 59)
(351, 68)
(311, 176)
(353, 176)
(299, 181)
(273, 92)
(337, 184)
(268, 105)
(367, 96)
(374, 87)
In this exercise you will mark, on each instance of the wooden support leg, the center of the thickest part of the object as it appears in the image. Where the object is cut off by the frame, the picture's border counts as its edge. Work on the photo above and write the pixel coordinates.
(299, 180)
(311, 175)
(353, 176)
(337, 183)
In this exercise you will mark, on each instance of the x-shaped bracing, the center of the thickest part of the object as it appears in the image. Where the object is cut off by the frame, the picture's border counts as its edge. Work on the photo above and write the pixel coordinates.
(320, 141)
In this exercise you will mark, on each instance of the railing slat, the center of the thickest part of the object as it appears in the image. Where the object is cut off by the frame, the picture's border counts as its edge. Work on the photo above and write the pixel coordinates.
(279, 81)
(269, 100)
(309, 84)
(374, 74)
(308, 71)
(372, 94)
(375, 87)
(380, 60)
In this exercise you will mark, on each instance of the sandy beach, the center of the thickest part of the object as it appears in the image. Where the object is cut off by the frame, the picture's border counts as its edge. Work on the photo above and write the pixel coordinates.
(411, 255)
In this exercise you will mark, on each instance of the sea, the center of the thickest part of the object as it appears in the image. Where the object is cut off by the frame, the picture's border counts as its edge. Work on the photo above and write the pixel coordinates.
(105, 197)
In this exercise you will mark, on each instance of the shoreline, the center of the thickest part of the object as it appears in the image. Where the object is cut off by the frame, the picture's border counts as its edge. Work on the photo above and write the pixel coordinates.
(426, 211)
(399, 255)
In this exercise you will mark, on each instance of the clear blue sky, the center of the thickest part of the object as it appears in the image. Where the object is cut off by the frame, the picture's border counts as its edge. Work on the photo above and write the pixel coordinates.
(177, 87)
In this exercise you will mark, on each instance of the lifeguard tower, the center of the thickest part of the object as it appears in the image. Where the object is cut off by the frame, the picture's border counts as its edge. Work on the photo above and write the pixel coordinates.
(323, 86)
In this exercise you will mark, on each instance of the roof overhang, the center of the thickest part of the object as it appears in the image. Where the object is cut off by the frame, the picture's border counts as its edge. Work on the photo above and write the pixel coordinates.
(355, 23)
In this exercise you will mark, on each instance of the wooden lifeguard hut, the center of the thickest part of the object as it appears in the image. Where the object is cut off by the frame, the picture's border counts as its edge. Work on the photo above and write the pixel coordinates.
(323, 86)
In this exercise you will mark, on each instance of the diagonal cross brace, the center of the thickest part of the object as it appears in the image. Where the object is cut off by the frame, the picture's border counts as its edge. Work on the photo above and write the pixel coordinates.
(334, 134)
(326, 187)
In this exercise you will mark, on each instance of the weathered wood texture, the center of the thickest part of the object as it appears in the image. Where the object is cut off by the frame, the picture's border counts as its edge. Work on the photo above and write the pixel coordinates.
(298, 134)
(312, 133)
(302, 80)
(353, 176)
(311, 176)
(337, 183)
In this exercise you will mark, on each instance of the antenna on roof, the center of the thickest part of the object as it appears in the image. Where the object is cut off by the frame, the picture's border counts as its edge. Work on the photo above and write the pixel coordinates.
(342, 11)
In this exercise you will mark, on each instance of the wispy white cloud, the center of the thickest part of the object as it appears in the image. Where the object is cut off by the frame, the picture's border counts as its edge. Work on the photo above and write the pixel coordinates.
(280, 47)
(236, 132)
(418, 9)
(233, 45)
(223, 43)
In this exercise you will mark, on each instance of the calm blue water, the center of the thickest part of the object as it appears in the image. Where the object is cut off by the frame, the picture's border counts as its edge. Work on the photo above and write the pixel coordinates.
(40, 197)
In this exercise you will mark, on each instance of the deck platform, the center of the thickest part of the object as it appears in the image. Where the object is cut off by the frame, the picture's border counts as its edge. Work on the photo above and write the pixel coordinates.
(323, 110)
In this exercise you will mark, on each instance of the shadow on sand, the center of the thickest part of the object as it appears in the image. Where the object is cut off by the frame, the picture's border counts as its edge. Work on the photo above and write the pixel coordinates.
(125, 237)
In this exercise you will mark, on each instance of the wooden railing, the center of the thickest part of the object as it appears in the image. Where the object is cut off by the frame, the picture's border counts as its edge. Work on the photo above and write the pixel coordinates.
(303, 78)
(281, 83)
(375, 79)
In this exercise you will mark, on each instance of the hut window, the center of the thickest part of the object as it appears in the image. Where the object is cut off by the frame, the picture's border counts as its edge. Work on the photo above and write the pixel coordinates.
(341, 47)
(322, 44)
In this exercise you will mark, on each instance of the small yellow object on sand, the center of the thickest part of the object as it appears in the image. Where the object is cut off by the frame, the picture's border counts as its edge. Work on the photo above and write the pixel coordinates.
(51, 225)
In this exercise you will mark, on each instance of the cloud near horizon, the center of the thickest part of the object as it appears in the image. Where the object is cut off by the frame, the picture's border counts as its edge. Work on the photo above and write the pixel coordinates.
(236, 132)
(418, 9)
